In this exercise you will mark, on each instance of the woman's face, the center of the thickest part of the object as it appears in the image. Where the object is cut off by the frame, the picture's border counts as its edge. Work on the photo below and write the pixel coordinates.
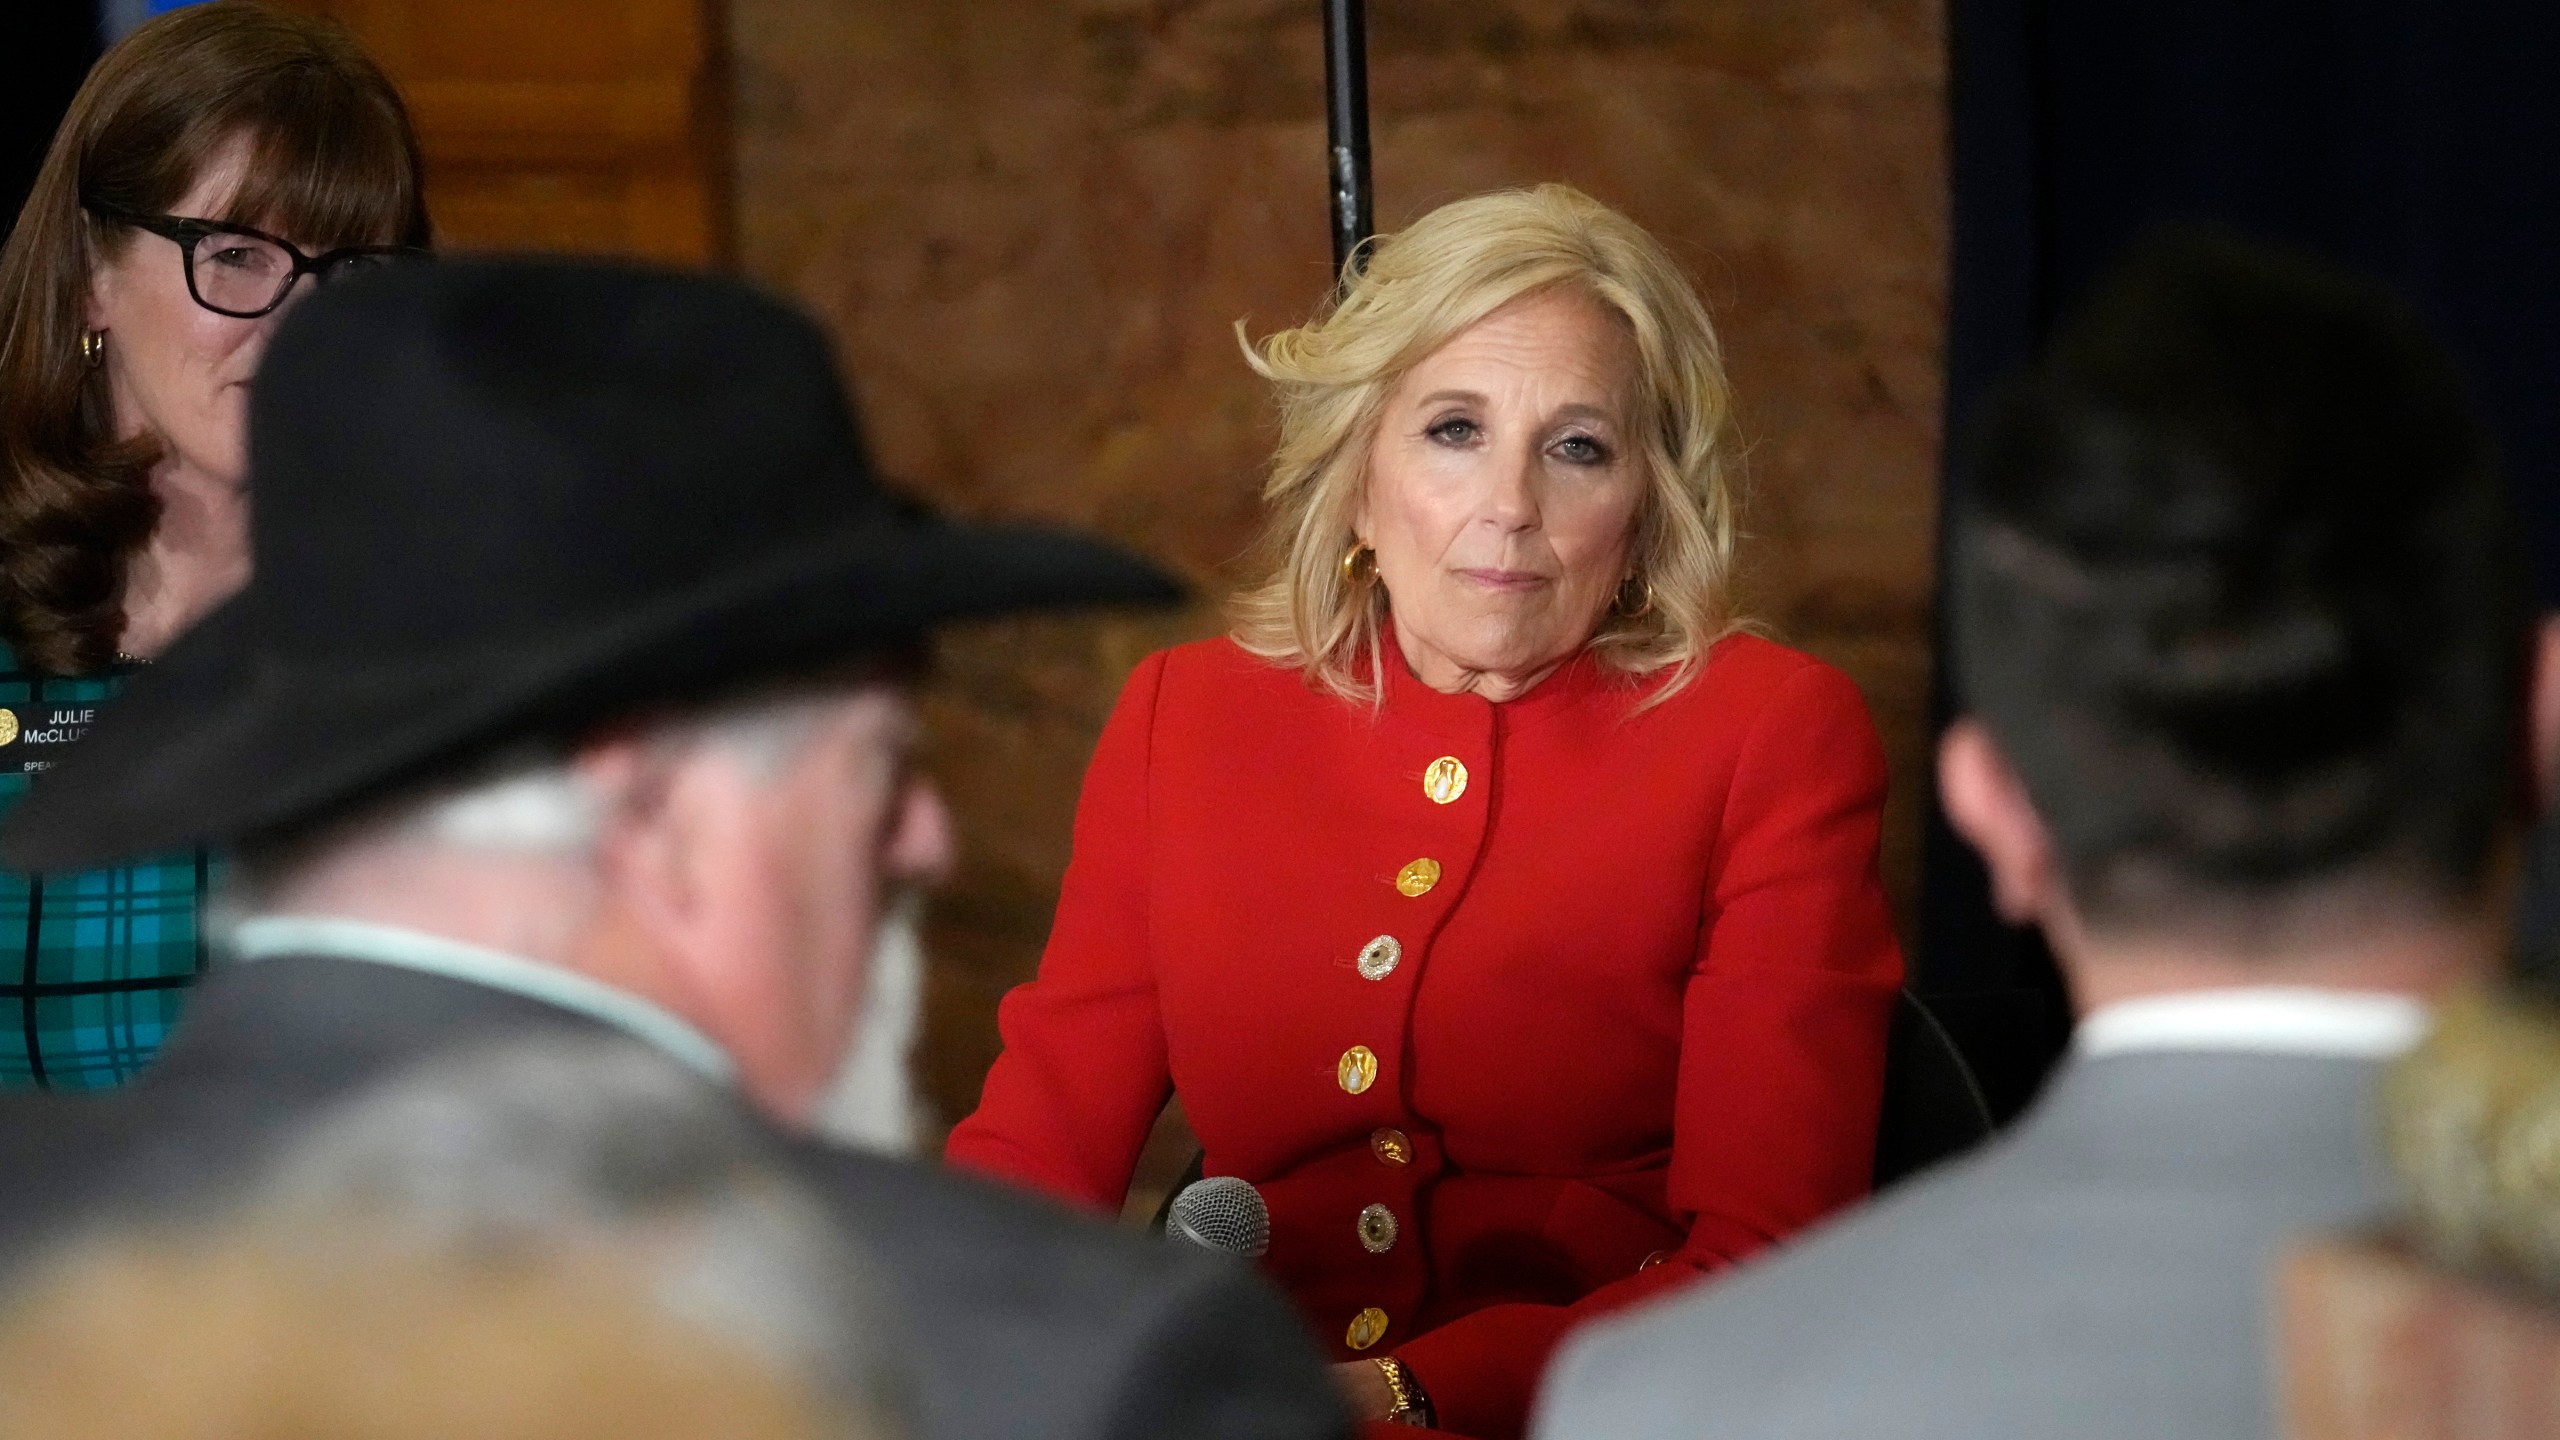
(174, 368)
(1503, 491)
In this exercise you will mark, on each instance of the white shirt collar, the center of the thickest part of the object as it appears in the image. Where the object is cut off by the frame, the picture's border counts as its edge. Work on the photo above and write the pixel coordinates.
(336, 939)
(2263, 1020)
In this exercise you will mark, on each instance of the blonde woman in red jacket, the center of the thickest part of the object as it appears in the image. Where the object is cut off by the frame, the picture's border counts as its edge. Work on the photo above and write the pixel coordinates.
(1492, 903)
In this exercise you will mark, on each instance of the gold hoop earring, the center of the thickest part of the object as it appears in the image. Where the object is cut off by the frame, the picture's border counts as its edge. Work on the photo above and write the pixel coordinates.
(93, 348)
(1640, 607)
(1359, 565)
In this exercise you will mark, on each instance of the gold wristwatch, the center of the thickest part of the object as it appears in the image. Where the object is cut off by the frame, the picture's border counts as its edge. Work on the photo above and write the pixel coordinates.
(1412, 1407)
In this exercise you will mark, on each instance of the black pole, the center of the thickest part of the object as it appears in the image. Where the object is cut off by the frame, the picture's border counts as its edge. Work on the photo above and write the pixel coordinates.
(1346, 124)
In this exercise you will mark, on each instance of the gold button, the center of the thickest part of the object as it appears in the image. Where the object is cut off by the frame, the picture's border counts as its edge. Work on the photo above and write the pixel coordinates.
(1378, 1229)
(8, 726)
(1418, 876)
(1378, 958)
(1446, 780)
(1391, 1146)
(1367, 1329)
(1358, 1070)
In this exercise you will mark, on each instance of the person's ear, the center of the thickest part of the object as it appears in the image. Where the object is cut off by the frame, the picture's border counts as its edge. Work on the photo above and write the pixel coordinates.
(1988, 806)
(660, 851)
(97, 296)
(1362, 489)
(2543, 715)
(93, 303)
(920, 849)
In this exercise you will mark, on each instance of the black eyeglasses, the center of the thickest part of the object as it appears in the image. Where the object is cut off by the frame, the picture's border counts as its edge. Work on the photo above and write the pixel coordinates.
(244, 273)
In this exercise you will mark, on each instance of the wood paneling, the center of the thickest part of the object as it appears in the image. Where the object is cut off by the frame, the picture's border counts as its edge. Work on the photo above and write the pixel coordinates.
(589, 125)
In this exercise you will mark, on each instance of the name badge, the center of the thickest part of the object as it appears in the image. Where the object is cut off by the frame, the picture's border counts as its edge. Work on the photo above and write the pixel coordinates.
(33, 735)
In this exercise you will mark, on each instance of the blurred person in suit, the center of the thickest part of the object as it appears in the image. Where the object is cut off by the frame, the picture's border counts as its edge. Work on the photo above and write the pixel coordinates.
(215, 166)
(603, 1143)
(569, 694)
(542, 1239)
(2256, 712)
(259, 1341)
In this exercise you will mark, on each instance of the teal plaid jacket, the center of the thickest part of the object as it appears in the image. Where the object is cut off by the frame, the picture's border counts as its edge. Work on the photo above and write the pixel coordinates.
(94, 965)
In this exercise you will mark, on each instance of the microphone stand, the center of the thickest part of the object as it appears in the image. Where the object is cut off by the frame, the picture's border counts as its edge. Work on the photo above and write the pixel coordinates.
(1346, 124)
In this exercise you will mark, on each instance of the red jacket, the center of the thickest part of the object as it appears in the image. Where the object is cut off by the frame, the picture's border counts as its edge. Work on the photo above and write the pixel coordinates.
(1638, 1014)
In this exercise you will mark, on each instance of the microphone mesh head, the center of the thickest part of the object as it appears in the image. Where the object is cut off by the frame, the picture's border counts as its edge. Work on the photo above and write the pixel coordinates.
(1221, 1213)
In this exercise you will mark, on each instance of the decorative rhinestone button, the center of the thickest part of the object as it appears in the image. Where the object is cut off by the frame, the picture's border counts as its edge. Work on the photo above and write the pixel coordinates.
(1378, 1229)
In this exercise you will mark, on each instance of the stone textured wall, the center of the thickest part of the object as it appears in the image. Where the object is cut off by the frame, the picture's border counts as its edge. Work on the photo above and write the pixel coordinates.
(1033, 223)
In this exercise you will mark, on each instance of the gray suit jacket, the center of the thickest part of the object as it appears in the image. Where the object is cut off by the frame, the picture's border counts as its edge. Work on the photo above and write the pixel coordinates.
(1026, 1321)
(2103, 1271)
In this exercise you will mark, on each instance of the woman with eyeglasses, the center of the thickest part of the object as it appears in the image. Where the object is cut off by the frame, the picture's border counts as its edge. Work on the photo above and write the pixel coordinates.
(216, 164)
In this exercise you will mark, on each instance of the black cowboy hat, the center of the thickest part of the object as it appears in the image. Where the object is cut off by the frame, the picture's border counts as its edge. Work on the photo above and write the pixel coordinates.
(510, 499)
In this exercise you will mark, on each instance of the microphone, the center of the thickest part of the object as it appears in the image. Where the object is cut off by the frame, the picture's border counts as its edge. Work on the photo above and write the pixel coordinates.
(1221, 1213)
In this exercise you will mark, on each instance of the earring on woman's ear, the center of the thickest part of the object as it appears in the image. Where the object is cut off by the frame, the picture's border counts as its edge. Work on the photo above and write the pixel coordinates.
(1359, 565)
(93, 348)
(1642, 603)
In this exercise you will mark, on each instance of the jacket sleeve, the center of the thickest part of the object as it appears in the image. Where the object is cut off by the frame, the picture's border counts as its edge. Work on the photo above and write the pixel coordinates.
(1782, 1039)
(1083, 1074)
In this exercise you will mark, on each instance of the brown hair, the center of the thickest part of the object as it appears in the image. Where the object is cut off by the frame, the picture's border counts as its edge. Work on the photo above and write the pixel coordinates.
(331, 161)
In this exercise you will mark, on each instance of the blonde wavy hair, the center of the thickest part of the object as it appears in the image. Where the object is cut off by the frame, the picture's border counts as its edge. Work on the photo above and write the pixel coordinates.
(1423, 285)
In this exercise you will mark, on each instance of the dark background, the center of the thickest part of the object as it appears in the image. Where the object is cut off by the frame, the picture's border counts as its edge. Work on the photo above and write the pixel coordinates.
(2415, 140)
(45, 47)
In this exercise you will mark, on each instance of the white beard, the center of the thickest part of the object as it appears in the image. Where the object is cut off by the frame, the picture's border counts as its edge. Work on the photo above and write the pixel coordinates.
(871, 1104)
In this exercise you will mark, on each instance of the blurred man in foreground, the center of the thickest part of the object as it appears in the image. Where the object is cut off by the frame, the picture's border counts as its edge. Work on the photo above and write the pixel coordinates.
(2242, 628)
(550, 1238)
(346, 1343)
(568, 696)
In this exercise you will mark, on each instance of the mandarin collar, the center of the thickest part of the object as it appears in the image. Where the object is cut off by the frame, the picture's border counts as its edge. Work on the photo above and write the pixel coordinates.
(1578, 679)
